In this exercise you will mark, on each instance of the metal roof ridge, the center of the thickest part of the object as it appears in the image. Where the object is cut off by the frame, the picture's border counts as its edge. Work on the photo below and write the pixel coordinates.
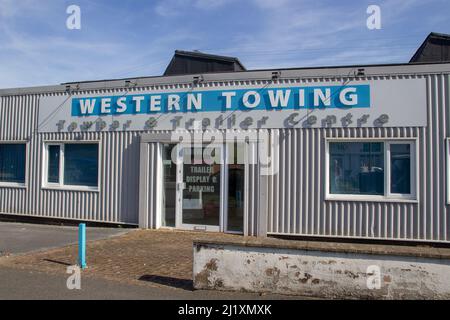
(307, 72)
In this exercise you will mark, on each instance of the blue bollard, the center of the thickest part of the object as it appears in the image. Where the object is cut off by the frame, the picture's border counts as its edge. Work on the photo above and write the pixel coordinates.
(82, 245)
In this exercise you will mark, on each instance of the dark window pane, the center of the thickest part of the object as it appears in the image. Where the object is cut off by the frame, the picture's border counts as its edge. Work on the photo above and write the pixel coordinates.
(236, 184)
(401, 168)
(81, 165)
(12, 163)
(357, 168)
(170, 184)
(53, 164)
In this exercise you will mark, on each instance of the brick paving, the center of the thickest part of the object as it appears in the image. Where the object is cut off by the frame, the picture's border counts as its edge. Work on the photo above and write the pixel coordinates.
(140, 256)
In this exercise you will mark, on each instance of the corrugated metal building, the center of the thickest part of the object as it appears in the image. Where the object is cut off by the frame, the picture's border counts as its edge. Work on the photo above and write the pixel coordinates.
(355, 152)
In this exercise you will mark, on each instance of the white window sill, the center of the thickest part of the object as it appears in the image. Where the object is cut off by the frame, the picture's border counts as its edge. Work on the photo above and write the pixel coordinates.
(13, 185)
(370, 199)
(71, 188)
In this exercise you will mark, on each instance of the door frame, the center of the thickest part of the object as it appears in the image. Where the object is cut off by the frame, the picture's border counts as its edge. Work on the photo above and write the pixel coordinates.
(151, 180)
(227, 186)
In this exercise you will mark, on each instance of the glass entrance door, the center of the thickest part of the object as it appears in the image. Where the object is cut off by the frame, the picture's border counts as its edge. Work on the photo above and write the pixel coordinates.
(200, 187)
(200, 190)
(168, 190)
(235, 173)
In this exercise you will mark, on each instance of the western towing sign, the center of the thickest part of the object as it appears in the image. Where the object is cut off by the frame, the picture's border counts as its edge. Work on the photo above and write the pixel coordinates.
(324, 104)
(357, 96)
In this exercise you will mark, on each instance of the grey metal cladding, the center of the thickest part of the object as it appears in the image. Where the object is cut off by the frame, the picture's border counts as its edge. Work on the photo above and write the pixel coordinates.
(117, 199)
(297, 195)
(296, 203)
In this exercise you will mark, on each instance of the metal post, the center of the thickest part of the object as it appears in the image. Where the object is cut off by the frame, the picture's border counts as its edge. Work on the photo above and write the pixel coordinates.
(82, 245)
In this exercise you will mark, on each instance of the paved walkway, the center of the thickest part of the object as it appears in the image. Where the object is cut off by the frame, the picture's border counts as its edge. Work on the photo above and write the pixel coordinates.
(20, 237)
(143, 257)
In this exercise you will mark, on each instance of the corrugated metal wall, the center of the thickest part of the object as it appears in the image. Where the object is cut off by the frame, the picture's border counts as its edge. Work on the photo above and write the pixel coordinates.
(18, 117)
(251, 196)
(302, 174)
(297, 193)
(117, 200)
(153, 151)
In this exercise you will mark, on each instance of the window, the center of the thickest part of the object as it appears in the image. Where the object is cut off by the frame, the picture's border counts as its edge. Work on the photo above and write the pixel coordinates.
(72, 165)
(371, 169)
(356, 168)
(54, 153)
(401, 168)
(447, 140)
(12, 163)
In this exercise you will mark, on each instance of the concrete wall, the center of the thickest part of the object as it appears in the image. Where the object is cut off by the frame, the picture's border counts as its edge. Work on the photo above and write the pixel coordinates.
(319, 273)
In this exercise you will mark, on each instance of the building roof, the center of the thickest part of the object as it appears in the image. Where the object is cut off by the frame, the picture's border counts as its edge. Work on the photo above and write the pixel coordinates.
(192, 62)
(435, 48)
(235, 71)
(251, 75)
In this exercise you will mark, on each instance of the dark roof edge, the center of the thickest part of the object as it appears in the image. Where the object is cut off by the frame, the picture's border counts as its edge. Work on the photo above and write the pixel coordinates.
(272, 69)
(439, 35)
(424, 43)
(199, 54)
(263, 74)
(355, 66)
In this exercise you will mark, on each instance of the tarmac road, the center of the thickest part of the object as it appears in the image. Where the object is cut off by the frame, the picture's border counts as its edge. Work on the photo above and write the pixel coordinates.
(16, 238)
(18, 284)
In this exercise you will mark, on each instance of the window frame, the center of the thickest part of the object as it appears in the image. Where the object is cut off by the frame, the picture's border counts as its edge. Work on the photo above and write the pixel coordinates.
(388, 195)
(60, 185)
(447, 158)
(5, 184)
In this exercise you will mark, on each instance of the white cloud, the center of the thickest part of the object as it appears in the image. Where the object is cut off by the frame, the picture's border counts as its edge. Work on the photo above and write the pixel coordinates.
(269, 4)
(13, 8)
(284, 33)
(9, 8)
(39, 58)
(210, 4)
(295, 33)
(171, 8)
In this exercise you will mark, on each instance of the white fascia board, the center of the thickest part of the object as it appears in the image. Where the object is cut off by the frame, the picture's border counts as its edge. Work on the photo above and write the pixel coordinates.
(263, 75)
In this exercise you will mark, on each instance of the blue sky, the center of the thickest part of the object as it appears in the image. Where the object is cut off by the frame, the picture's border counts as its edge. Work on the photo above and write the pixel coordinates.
(131, 38)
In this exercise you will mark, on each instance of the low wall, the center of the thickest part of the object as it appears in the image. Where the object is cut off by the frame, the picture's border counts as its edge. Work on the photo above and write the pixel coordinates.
(328, 270)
